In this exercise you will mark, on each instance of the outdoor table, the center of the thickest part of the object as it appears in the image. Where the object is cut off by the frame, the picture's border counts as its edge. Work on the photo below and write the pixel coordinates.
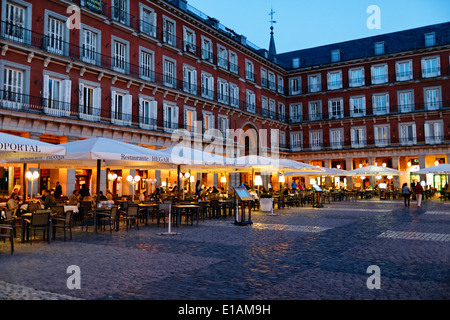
(71, 208)
(179, 207)
(224, 204)
(28, 216)
(146, 206)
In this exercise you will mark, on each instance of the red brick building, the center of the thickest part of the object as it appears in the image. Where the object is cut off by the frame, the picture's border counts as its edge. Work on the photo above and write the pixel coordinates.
(138, 70)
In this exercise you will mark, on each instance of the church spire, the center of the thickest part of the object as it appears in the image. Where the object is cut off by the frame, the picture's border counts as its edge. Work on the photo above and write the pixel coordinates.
(272, 49)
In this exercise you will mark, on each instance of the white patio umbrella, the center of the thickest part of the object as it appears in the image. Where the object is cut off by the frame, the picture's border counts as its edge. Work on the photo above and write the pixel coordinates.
(186, 156)
(443, 168)
(12, 147)
(373, 171)
(324, 172)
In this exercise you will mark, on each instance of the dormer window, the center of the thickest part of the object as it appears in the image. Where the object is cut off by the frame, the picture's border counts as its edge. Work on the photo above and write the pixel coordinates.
(430, 39)
(380, 48)
(336, 55)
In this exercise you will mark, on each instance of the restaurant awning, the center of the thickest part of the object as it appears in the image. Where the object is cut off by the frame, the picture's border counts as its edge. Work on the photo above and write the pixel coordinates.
(324, 172)
(373, 171)
(443, 168)
(12, 146)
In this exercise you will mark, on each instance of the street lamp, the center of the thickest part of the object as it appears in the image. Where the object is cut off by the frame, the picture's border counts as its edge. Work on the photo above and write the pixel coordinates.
(258, 182)
(32, 176)
(133, 181)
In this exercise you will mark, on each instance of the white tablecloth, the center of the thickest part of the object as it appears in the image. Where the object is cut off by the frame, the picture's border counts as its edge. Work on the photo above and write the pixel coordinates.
(73, 208)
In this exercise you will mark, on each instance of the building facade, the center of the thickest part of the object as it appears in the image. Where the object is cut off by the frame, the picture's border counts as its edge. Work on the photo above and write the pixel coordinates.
(137, 71)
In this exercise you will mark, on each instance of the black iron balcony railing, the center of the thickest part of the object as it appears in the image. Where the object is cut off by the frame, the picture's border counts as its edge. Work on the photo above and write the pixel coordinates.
(120, 15)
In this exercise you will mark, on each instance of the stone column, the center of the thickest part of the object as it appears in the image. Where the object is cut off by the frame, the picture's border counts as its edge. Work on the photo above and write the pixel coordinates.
(422, 164)
(328, 181)
(396, 166)
(348, 167)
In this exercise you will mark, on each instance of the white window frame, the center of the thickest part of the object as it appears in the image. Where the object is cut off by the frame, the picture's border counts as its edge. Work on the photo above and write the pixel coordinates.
(334, 84)
(169, 36)
(406, 141)
(190, 126)
(19, 97)
(90, 55)
(222, 57)
(432, 72)
(281, 111)
(124, 6)
(314, 87)
(352, 101)
(222, 91)
(380, 141)
(295, 85)
(272, 109)
(296, 140)
(92, 111)
(400, 75)
(264, 79)
(51, 44)
(148, 117)
(223, 125)
(234, 95)
(250, 101)
(115, 65)
(207, 81)
(314, 116)
(379, 79)
(208, 122)
(147, 27)
(361, 140)
(121, 117)
(437, 128)
(335, 114)
(233, 62)
(207, 55)
(189, 79)
(376, 108)
(435, 104)
(170, 116)
(336, 138)
(271, 80)
(315, 139)
(146, 69)
(189, 45)
(264, 106)
(280, 84)
(404, 106)
(15, 31)
(169, 76)
(61, 105)
(249, 70)
(296, 112)
(358, 82)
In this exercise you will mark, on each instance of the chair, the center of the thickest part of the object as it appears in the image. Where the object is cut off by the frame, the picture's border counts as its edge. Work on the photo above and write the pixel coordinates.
(163, 211)
(63, 223)
(33, 206)
(86, 214)
(132, 215)
(214, 208)
(11, 219)
(58, 210)
(39, 221)
(6, 227)
(111, 218)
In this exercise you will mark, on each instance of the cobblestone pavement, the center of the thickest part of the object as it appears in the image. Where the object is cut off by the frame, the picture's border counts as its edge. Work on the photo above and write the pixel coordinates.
(299, 254)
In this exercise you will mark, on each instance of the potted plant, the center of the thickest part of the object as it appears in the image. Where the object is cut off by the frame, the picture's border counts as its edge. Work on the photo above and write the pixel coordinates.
(266, 202)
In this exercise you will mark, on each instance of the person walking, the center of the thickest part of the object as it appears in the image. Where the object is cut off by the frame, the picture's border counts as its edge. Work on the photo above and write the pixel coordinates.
(406, 192)
(418, 190)
(58, 191)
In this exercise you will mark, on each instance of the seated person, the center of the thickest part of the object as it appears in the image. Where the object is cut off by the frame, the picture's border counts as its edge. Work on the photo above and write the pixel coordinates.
(73, 199)
(49, 201)
(13, 202)
(101, 197)
(88, 197)
(109, 195)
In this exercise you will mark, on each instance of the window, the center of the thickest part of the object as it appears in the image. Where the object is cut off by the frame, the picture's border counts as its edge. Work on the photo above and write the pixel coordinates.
(295, 85)
(264, 106)
(15, 17)
(147, 21)
(315, 139)
(169, 72)
(208, 122)
(334, 80)
(56, 94)
(147, 113)
(272, 109)
(430, 39)
(264, 78)
(379, 74)
(223, 125)
(222, 91)
(271, 81)
(119, 55)
(405, 101)
(147, 63)
(119, 11)
(189, 41)
(432, 98)
(407, 133)
(207, 85)
(403, 70)
(315, 110)
(89, 104)
(295, 112)
(280, 85)
(357, 106)
(434, 132)
(358, 137)
(90, 45)
(234, 95)
(169, 33)
(336, 108)
(281, 112)
(249, 71)
(222, 57)
(14, 85)
(251, 102)
(282, 139)
(314, 83)
(336, 55)
(296, 63)
(190, 119)
(380, 48)
(207, 52)
(296, 141)
(189, 79)
(337, 138)
(56, 33)
(233, 62)
(380, 103)
(381, 133)
(431, 67)
(121, 103)
(274, 139)
(356, 77)
(170, 117)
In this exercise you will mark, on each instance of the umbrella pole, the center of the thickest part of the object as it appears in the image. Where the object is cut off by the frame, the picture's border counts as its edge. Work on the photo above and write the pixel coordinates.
(99, 167)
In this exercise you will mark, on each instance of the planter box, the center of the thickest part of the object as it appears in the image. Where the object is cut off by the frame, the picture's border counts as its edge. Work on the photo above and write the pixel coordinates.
(266, 204)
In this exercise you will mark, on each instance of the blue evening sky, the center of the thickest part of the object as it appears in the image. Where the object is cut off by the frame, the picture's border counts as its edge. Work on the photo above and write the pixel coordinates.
(309, 23)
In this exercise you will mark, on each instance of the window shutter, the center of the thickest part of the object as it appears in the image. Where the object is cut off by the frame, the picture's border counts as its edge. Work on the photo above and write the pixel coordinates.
(372, 73)
(437, 132)
(397, 71)
(45, 90)
(153, 23)
(330, 109)
(113, 105)
(411, 73)
(141, 111)
(97, 102)
(364, 105)
(387, 102)
(80, 98)
(153, 113)
(165, 122)
(328, 81)
(128, 111)
(66, 94)
(423, 67)
(427, 133)
(185, 120)
(438, 65)
(363, 76)
(175, 117)
(352, 107)
(374, 105)
(341, 105)
(386, 75)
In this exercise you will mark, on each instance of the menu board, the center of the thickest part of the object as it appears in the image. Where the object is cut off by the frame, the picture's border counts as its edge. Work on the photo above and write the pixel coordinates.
(243, 194)
(317, 188)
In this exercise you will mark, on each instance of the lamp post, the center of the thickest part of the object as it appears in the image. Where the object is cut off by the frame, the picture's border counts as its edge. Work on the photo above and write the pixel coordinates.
(32, 176)
(258, 182)
(223, 180)
(133, 181)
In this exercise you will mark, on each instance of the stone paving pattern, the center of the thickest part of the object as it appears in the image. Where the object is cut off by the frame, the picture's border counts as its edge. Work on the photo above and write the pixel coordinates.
(299, 254)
